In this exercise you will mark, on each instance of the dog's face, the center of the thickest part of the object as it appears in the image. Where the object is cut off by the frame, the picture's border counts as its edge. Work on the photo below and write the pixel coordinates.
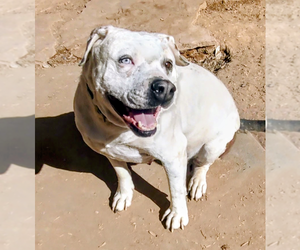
(132, 75)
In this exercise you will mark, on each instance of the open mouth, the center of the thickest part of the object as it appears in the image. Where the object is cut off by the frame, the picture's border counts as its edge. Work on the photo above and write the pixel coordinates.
(143, 122)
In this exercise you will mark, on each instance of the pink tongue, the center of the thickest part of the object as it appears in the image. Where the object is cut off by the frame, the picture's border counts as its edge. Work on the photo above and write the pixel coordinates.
(147, 119)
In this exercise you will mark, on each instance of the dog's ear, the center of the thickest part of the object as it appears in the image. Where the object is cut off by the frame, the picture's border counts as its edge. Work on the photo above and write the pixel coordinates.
(179, 59)
(96, 34)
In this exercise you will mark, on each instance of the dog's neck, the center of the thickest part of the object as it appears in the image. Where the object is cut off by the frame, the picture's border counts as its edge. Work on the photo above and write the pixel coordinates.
(97, 109)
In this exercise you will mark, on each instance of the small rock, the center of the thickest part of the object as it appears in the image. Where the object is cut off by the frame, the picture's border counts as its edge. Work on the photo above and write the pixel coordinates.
(202, 6)
(45, 65)
(13, 65)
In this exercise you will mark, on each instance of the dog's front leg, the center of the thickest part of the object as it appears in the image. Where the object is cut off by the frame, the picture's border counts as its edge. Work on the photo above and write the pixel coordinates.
(123, 196)
(177, 214)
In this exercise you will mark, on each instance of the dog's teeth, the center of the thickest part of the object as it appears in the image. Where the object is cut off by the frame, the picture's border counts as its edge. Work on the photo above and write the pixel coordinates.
(140, 125)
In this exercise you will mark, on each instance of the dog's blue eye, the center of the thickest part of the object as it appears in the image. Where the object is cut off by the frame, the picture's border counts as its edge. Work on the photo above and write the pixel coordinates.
(125, 60)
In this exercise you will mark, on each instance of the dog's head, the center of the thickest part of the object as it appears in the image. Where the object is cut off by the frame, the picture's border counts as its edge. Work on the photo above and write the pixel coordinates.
(131, 75)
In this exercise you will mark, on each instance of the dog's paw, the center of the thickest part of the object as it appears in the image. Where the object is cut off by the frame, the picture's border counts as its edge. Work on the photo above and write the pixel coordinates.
(175, 218)
(122, 200)
(197, 187)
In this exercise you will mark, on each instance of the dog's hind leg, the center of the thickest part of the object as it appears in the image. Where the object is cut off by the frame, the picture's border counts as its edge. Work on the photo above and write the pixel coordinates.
(123, 196)
(197, 184)
(200, 164)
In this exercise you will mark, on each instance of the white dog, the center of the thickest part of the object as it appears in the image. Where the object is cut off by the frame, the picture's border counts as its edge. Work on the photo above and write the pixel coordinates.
(138, 99)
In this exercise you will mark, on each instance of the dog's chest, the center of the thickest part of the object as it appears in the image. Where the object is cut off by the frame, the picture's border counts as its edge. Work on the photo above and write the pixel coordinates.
(127, 148)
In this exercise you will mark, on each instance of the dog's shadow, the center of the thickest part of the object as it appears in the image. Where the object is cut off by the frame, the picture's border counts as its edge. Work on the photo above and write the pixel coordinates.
(60, 145)
(16, 142)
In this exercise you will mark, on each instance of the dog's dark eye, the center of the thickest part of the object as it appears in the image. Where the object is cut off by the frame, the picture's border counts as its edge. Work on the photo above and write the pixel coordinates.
(169, 65)
(125, 60)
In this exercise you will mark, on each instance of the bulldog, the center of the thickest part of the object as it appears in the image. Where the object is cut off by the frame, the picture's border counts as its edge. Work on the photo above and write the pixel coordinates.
(138, 100)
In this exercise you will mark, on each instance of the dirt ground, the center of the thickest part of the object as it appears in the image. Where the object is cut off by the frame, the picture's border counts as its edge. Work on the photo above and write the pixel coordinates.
(72, 206)
(283, 71)
(237, 25)
(17, 109)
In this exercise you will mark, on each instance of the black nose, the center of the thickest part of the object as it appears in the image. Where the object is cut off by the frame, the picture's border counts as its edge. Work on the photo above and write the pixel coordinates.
(162, 91)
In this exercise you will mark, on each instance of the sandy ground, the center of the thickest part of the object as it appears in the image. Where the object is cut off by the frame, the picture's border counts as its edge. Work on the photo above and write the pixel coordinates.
(17, 109)
(73, 196)
(63, 27)
(283, 71)
(74, 186)
(282, 193)
(282, 98)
